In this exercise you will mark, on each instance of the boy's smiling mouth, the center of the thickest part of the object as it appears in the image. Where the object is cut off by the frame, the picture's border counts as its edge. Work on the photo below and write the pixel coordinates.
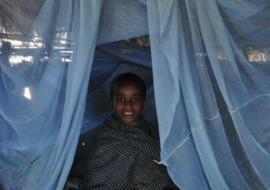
(128, 113)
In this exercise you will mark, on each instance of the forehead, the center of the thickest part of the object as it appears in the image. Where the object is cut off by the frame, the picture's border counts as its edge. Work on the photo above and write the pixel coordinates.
(127, 89)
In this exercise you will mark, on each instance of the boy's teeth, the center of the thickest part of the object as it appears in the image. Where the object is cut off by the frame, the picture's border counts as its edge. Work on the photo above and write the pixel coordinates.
(128, 113)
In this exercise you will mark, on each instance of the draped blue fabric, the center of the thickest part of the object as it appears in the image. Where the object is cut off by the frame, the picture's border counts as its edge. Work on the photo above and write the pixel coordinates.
(210, 64)
(122, 19)
(211, 71)
(43, 95)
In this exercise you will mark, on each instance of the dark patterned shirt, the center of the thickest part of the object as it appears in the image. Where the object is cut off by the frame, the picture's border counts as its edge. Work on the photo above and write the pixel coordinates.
(126, 157)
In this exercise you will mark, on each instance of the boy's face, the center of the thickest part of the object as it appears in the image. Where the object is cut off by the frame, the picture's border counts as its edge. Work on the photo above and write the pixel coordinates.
(127, 103)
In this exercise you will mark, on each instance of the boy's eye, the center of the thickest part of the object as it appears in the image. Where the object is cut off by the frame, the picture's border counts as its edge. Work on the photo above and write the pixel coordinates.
(122, 99)
(136, 99)
(119, 99)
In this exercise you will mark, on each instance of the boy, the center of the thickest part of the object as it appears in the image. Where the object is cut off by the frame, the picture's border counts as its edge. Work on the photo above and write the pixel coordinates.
(126, 152)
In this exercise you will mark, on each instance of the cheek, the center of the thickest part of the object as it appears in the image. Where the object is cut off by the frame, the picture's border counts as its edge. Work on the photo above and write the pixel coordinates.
(117, 107)
(138, 107)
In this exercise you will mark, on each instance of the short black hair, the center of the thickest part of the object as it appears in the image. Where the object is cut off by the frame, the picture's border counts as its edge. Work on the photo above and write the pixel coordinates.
(129, 78)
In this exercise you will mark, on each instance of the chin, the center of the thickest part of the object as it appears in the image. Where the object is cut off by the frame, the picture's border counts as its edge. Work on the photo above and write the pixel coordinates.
(129, 122)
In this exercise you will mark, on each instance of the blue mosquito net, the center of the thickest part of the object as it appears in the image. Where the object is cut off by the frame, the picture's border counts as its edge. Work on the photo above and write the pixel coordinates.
(207, 74)
(44, 78)
(211, 72)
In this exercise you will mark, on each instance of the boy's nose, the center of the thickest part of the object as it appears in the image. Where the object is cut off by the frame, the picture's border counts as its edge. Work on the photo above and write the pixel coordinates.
(128, 103)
